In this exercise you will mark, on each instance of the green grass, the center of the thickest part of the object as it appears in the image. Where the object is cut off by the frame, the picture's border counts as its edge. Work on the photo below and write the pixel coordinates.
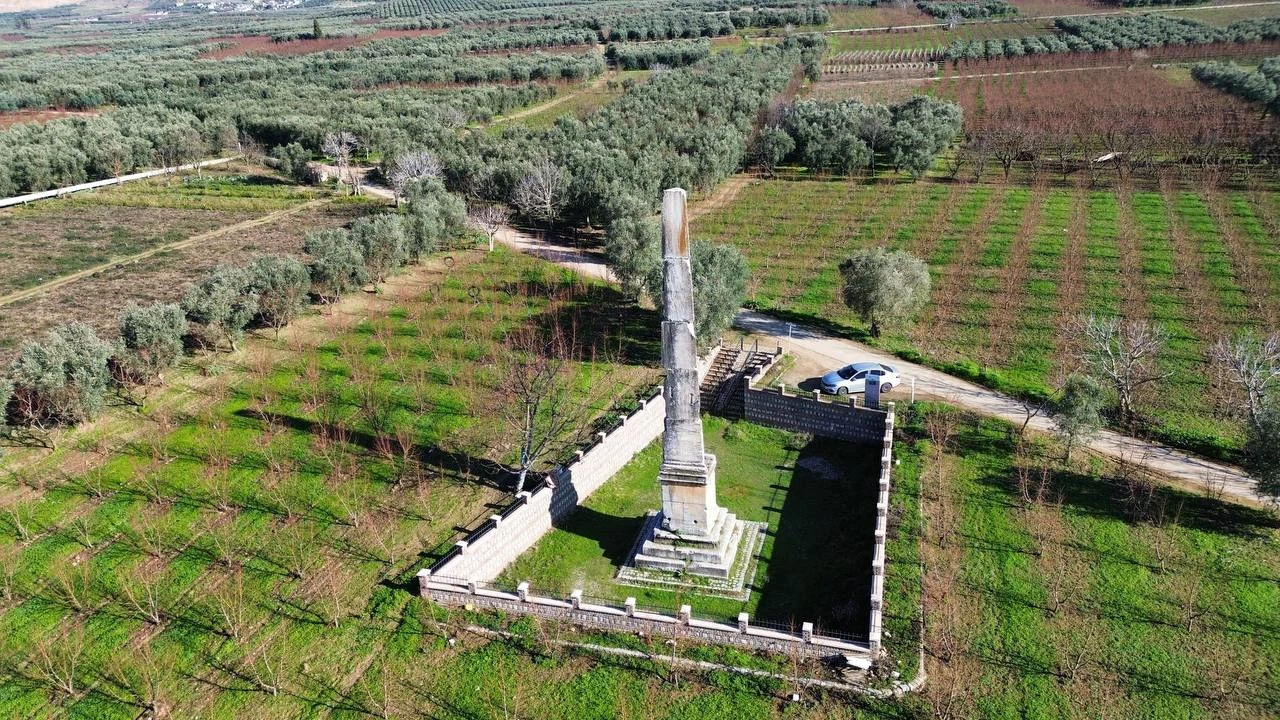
(815, 562)
(1089, 603)
(280, 496)
(795, 232)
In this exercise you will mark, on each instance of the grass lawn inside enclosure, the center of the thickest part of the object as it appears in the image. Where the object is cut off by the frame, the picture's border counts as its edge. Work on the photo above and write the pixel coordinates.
(817, 496)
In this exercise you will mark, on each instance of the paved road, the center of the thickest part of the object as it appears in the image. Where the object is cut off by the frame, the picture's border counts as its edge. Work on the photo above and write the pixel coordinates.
(832, 352)
(825, 350)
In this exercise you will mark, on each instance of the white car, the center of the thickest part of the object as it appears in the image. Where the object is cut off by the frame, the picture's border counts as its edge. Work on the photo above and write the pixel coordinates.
(853, 378)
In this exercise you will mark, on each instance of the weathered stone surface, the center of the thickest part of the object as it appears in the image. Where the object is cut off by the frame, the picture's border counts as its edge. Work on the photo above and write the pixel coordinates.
(695, 534)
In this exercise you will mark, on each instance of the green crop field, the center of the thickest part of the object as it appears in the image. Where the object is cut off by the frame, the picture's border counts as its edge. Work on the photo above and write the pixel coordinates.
(265, 529)
(1013, 265)
(814, 565)
(1083, 592)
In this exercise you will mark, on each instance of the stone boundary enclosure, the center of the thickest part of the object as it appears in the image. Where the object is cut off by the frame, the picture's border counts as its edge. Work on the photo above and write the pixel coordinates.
(461, 577)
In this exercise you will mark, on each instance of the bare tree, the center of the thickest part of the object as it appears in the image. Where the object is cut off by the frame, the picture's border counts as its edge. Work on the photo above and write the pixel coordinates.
(410, 167)
(489, 219)
(56, 661)
(1252, 364)
(142, 593)
(540, 193)
(339, 146)
(1122, 352)
(541, 411)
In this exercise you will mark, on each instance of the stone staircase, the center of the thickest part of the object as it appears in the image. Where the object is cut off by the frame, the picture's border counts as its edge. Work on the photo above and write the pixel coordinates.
(721, 389)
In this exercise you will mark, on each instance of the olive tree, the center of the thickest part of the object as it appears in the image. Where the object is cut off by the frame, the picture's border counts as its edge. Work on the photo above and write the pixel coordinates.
(281, 284)
(383, 244)
(719, 286)
(337, 264)
(61, 380)
(434, 217)
(885, 287)
(1079, 411)
(632, 250)
(222, 304)
(150, 343)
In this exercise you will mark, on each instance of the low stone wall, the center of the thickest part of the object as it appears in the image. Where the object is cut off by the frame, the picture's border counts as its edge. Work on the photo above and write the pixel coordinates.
(505, 536)
(629, 619)
(460, 577)
(881, 533)
(811, 414)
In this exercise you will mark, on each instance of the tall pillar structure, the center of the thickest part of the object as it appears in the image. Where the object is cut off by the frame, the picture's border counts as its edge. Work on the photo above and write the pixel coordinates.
(688, 473)
(692, 533)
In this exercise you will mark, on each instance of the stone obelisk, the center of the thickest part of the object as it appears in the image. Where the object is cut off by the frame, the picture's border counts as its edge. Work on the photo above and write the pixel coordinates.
(688, 474)
(694, 534)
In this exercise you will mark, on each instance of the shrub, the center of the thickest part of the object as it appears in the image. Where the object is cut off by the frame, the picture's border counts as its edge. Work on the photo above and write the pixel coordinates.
(150, 343)
(383, 243)
(337, 265)
(62, 380)
(281, 284)
(223, 304)
(294, 161)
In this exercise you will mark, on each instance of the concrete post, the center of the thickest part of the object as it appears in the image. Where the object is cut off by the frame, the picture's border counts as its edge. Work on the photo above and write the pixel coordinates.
(817, 395)
(782, 388)
(522, 590)
(686, 612)
(462, 546)
(424, 581)
(743, 622)
(806, 632)
(524, 497)
(630, 605)
(575, 599)
(601, 436)
(471, 586)
(497, 520)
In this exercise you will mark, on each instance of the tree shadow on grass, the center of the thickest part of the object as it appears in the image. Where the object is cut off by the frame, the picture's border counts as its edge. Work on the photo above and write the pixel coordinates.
(608, 325)
(1103, 497)
(486, 472)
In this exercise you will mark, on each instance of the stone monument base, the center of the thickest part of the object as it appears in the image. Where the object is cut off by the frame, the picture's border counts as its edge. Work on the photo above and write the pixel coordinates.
(720, 563)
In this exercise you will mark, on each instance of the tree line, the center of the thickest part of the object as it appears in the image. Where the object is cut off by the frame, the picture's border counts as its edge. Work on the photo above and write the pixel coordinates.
(976, 9)
(642, 56)
(848, 136)
(66, 377)
(1256, 86)
(1102, 34)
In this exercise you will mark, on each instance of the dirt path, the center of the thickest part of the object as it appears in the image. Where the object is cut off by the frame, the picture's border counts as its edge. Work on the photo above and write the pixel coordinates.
(178, 245)
(557, 100)
(815, 349)
(723, 195)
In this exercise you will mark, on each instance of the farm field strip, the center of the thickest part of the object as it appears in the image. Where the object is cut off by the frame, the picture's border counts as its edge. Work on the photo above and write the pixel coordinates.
(20, 295)
(283, 503)
(1067, 250)
(1070, 605)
